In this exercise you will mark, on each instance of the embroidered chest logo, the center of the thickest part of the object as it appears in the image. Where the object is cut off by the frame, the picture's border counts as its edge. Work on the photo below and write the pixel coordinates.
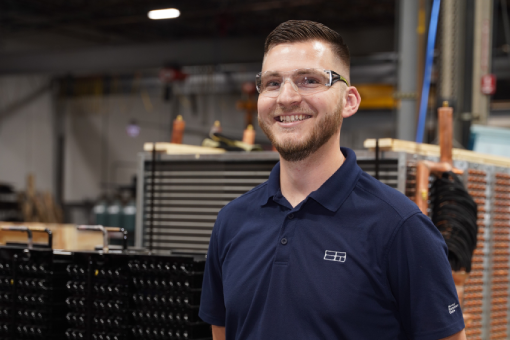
(338, 256)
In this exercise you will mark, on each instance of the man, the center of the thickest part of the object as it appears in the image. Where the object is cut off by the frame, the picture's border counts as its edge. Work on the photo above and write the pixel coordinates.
(322, 251)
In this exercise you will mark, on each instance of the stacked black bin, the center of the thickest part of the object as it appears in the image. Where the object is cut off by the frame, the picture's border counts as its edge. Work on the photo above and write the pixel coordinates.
(166, 296)
(95, 296)
(32, 294)
(7, 295)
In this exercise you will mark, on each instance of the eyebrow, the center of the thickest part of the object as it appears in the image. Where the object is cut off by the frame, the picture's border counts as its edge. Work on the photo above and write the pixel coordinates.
(304, 71)
(271, 73)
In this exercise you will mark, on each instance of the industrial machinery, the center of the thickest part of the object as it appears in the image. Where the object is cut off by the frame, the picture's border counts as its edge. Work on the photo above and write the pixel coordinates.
(49, 294)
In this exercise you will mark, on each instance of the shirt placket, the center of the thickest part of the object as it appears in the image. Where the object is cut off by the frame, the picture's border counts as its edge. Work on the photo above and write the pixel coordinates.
(285, 238)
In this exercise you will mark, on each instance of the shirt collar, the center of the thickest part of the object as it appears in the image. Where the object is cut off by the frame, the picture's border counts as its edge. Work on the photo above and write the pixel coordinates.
(273, 184)
(333, 192)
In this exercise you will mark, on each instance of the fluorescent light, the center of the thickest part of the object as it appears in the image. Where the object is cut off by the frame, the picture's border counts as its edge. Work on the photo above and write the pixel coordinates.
(168, 13)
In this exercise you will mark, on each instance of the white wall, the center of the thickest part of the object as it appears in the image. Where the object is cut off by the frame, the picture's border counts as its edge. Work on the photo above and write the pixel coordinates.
(100, 155)
(26, 132)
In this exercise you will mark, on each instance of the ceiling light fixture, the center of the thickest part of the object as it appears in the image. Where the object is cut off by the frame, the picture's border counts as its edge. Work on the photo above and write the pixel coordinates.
(168, 13)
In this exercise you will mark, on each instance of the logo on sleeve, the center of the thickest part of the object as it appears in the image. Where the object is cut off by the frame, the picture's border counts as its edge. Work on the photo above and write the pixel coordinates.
(452, 308)
(337, 256)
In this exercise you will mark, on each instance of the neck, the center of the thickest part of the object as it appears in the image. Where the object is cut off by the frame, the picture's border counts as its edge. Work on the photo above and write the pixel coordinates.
(299, 179)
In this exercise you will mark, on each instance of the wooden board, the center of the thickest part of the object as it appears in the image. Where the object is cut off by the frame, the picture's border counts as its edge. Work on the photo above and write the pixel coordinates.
(65, 236)
(181, 149)
(397, 145)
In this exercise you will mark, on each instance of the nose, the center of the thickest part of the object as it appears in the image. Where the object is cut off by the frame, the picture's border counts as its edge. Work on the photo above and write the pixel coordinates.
(289, 95)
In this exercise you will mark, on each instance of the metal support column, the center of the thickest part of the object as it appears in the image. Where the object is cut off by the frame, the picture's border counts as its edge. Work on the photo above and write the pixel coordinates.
(448, 40)
(407, 66)
(59, 104)
(465, 100)
(452, 77)
(481, 58)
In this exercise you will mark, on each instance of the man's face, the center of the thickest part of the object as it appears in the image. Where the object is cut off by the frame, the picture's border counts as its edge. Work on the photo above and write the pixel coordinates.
(321, 112)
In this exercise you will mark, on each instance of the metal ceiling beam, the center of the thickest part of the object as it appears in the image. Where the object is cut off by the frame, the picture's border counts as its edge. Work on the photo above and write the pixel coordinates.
(40, 23)
(143, 56)
(92, 17)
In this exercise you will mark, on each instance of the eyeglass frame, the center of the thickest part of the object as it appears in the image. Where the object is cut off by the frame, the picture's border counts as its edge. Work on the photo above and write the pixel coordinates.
(333, 78)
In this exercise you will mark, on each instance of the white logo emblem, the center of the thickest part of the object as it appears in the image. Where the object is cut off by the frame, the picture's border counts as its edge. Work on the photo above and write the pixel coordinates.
(332, 255)
(452, 307)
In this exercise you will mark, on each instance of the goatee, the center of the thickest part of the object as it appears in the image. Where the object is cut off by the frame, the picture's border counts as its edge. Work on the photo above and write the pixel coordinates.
(322, 131)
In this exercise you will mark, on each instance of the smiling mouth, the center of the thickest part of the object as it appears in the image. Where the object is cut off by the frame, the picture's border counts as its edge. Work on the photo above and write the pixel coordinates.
(291, 118)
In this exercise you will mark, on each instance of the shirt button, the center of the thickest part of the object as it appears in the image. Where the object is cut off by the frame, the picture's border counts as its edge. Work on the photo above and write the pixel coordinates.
(283, 241)
(290, 216)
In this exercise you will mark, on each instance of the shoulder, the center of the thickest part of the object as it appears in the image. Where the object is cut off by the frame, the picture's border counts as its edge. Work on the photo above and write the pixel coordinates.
(389, 199)
(249, 200)
(234, 216)
(242, 208)
(383, 212)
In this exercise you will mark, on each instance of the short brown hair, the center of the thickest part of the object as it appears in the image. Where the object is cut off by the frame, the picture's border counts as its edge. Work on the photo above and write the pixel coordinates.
(303, 30)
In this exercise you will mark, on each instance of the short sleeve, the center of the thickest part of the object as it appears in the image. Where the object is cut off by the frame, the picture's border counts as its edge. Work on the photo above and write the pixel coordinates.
(212, 305)
(421, 281)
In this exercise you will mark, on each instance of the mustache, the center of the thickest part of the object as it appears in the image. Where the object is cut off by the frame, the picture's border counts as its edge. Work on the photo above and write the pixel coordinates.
(295, 110)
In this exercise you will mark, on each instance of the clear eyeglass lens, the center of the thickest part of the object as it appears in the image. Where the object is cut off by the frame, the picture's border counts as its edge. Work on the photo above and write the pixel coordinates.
(307, 81)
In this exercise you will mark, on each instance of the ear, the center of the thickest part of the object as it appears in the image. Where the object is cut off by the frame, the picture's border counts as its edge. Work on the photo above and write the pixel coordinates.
(352, 101)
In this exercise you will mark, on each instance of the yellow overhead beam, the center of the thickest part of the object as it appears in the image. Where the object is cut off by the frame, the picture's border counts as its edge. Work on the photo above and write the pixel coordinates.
(376, 96)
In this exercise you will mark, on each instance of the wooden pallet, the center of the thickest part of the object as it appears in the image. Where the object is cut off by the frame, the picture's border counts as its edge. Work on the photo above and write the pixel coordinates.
(397, 145)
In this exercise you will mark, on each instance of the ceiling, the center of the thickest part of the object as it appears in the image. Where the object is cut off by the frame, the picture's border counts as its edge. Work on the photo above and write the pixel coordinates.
(65, 24)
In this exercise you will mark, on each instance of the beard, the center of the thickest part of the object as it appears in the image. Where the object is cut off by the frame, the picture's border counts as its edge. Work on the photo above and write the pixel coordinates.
(322, 131)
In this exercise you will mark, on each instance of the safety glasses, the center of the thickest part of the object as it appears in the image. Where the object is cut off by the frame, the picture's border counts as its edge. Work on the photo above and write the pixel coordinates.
(305, 81)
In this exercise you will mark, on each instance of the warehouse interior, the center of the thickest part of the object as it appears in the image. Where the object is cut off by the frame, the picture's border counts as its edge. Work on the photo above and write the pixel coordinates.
(93, 96)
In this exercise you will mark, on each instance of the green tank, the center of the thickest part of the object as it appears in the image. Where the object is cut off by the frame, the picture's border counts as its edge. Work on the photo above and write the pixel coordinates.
(100, 212)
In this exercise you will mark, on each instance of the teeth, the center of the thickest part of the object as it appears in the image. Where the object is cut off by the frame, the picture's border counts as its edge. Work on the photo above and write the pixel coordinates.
(292, 118)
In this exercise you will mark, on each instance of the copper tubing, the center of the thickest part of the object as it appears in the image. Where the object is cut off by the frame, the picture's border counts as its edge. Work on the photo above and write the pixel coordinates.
(476, 172)
(446, 134)
(422, 186)
(460, 278)
(423, 171)
(249, 135)
(178, 130)
(477, 179)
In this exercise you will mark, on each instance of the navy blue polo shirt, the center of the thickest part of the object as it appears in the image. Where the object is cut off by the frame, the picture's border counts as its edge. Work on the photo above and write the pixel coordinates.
(355, 260)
